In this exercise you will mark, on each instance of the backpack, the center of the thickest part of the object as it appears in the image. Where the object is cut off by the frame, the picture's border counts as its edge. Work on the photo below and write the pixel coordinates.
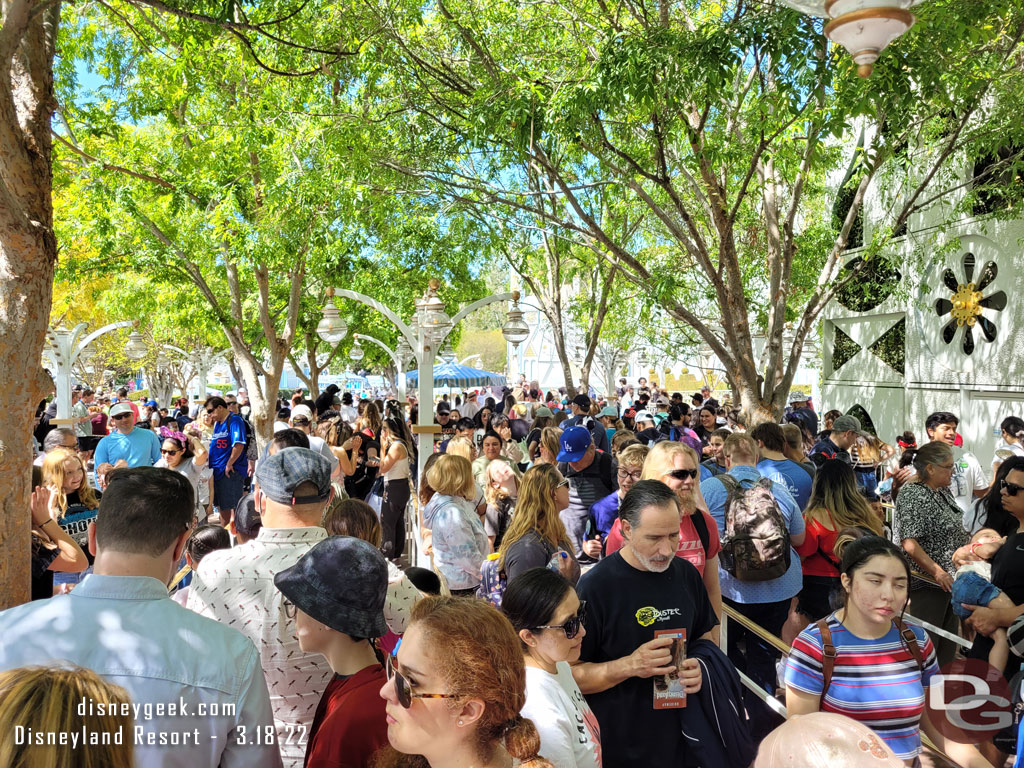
(756, 545)
(492, 581)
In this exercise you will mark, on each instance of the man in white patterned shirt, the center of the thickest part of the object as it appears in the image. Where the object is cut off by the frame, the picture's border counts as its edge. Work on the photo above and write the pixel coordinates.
(236, 586)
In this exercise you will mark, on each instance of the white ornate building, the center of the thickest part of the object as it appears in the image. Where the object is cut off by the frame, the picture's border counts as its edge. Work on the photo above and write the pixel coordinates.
(946, 332)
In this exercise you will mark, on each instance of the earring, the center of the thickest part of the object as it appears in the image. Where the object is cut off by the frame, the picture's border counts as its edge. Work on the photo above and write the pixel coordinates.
(460, 723)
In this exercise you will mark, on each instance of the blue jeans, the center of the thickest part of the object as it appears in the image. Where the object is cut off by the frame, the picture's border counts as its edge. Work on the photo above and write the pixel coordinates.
(972, 589)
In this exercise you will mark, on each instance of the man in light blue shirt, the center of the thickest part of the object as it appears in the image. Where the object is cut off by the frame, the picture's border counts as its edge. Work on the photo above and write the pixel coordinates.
(197, 686)
(765, 603)
(771, 443)
(125, 446)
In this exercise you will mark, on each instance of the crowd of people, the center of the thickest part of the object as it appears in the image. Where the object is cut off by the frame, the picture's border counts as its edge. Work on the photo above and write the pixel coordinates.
(550, 591)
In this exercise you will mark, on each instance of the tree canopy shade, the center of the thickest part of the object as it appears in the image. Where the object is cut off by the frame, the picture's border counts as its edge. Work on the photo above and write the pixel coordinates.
(690, 145)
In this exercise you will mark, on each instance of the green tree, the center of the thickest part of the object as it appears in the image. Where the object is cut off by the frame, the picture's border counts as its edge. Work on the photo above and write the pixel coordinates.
(716, 126)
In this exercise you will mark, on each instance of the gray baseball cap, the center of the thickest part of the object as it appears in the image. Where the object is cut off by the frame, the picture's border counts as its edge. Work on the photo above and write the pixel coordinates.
(340, 582)
(848, 423)
(279, 475)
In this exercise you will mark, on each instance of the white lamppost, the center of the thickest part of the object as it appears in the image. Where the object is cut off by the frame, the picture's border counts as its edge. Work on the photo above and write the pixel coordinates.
(65, 347)
(423, 337)
(515, 331)
(448, 354)
(396, 356)
(332, 326)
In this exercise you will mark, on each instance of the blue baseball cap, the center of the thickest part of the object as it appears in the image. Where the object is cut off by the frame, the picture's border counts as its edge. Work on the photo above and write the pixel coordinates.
(574, 442)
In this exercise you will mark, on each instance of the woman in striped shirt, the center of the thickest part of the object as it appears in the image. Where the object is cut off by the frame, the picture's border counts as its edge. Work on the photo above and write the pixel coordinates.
(879, 675)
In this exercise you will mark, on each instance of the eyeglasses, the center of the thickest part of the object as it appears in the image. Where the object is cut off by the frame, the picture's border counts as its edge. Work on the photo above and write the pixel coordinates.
(166, 452)
(120, 416)
(1012, 489)
(289, 609)
(73, 445)
(573, 625)
(682, 474)
(633, 475)
(404, 691)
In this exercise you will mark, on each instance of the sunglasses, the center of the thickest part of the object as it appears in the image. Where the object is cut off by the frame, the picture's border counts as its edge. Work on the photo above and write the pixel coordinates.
(403, 691)
(289, 609)
(167, 452)
(1012, 489)
(682, 474)
(573, 625)
(565, 482)
(120, 416)
(210, 410)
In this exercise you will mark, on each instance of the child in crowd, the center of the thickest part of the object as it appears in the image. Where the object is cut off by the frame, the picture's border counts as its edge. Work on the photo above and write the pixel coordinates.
(972, 585)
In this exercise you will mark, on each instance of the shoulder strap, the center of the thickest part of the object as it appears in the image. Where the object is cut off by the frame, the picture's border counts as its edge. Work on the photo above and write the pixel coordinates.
(702, 529)
(828, 659)
(728, 481)
(910, 640)
(606, 471)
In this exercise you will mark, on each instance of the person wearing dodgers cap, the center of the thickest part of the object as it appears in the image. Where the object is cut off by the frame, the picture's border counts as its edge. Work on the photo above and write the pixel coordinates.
(336, 592)
(591, 477)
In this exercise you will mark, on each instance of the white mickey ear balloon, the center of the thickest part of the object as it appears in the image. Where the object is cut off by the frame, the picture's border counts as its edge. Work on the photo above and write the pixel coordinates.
(961, 303)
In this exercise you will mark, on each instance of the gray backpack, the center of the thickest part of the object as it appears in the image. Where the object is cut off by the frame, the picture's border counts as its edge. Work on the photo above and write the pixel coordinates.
(756, 543)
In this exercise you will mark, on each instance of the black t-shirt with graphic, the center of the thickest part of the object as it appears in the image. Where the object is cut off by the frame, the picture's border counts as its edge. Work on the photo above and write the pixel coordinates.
(77, 518)
(625, 607)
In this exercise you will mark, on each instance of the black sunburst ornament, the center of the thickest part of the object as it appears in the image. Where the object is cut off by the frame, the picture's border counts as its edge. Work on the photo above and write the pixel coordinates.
(966, 303)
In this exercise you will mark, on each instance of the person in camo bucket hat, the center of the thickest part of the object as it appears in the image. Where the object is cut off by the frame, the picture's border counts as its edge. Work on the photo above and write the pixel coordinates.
(336, 592)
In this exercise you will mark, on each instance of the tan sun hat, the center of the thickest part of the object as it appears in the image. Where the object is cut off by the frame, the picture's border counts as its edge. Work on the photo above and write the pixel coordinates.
(824, 739)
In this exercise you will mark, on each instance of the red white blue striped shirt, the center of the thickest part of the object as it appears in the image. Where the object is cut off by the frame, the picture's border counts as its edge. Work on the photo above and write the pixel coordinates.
(876, 681)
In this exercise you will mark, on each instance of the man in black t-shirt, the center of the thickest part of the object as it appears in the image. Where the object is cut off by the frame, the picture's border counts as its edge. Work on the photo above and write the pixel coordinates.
(641, 589)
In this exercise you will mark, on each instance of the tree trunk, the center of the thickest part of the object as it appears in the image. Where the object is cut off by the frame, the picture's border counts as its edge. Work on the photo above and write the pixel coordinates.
(28, 252)
(161, 386)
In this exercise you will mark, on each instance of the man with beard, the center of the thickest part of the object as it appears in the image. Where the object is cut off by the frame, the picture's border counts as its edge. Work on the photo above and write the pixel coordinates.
(631, 595)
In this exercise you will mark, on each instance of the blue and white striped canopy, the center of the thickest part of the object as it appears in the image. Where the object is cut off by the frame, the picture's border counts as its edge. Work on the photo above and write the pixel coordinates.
(453, 375)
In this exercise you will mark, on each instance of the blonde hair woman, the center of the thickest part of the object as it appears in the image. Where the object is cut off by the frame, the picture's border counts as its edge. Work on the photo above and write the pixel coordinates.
(462, 446)
(536, 532)
(677, 466)
(44, 700)
(73, 504)
(547, 448)
(457, 535)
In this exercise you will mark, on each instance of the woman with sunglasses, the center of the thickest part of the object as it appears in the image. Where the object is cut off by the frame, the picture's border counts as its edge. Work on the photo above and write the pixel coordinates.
(548, 616)
(187, 456)
(455, 689)
(676, 465)
(537, 533)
